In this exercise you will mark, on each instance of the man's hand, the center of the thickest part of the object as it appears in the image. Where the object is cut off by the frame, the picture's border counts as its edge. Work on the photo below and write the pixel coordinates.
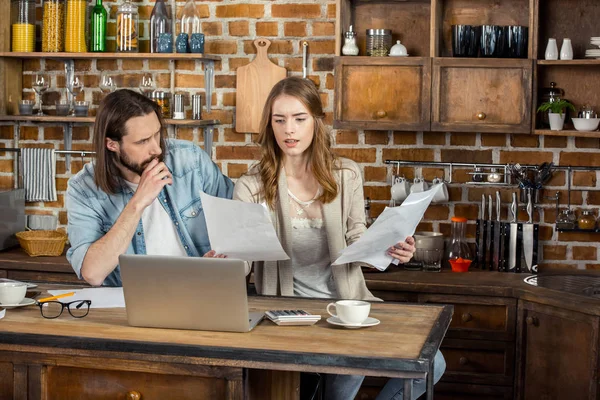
(155, 176)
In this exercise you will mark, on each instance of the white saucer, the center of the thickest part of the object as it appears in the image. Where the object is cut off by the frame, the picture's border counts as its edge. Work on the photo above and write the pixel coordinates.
(29, 285)
(368, 322)
(25, 302)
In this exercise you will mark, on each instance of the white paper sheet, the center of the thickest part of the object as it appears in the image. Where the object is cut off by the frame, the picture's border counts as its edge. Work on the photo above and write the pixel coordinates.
(241, 230)
(2, 314)
(102, 297)
(394, 225)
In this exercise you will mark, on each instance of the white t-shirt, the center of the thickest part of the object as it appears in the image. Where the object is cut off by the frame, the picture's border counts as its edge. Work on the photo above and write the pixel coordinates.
(159, 230)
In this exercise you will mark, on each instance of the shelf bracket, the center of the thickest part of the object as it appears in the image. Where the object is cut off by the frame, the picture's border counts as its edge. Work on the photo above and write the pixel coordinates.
(208, 139)
(68, 139)
(69, 74)
(209, 74)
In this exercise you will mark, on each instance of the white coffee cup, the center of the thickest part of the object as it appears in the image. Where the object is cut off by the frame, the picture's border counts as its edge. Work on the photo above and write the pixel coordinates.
(12, 292)
(400, 189)
(442, 195)
(419, 185)
(351, 312)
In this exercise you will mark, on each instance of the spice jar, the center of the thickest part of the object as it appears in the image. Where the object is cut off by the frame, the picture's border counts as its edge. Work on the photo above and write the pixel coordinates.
(477, 175)
(459, 254)
(379, 42)
(53, 26)
(75, 26)
(23, 25)
(127, 28)
(494, 176)
(587, 220)
(164, 102)
(566, 220)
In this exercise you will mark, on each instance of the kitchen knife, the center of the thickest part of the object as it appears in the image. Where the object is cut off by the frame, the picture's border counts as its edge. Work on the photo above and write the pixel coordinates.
(490, 235)
(496, 238)
(480, 234)
(514, 226)
(528, 235)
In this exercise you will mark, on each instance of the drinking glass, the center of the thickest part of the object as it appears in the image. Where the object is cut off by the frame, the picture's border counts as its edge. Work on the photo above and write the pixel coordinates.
(107, 83)
(74, 86)
(41, 83)
(147, 84)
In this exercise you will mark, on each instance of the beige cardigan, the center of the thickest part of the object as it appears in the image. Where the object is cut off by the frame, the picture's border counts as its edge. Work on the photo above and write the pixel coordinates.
(344, 220)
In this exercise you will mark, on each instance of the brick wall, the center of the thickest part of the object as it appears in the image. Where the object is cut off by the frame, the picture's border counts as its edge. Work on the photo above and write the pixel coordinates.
(230, 29)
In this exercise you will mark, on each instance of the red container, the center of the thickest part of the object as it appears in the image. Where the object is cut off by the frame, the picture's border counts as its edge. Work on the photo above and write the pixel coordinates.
(460, 265)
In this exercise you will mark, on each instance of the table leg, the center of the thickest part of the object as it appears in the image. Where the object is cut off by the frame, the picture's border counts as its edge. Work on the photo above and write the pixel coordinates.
(408, 383)
(429, 383)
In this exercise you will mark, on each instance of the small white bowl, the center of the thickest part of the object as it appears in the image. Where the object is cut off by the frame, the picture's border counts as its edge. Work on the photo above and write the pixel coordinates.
(586, 124)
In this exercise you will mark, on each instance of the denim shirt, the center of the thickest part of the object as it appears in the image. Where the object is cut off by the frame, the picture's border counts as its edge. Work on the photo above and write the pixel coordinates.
(92, 212)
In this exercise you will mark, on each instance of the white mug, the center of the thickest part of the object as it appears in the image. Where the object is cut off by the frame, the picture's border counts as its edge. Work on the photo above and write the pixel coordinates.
(350, 312)
(442, 195)
(400, 189)
(12, 292)
(419, 185)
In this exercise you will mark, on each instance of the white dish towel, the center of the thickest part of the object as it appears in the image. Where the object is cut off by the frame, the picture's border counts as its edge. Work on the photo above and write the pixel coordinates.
(39, 174)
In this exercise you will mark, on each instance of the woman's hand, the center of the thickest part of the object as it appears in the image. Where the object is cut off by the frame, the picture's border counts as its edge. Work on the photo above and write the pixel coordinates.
(213, 254)
(403, 251)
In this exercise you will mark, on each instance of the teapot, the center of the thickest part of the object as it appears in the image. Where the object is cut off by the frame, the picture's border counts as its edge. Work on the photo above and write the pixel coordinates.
(398, 50)
(587, 112)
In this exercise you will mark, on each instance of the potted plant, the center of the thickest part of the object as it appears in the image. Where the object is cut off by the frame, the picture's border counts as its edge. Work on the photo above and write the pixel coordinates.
(556, 112)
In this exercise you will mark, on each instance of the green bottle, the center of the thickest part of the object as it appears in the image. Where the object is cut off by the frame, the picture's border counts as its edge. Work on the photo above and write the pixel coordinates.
(98, 28)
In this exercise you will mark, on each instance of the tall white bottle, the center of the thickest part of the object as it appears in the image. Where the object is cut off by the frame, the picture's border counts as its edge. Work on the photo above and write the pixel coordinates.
(566, 50)
(551, 50)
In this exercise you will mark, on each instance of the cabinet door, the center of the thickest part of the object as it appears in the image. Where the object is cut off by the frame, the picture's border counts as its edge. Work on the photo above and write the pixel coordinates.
(557, 353)
(382, 93)
(472, 95)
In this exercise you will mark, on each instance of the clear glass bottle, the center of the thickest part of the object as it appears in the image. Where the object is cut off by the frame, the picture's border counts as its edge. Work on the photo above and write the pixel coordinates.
(127, 28)
(53, 26)
(459, 254)
(75, 23)
(98, 28)
(587, 220)
(160, 22)
(350, 48)
(190, 19)
(23, 25)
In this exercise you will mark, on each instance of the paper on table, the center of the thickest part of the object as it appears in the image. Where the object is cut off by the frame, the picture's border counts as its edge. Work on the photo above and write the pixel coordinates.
(102, 297)
(2, 314)
(241, 230)
(394, 224)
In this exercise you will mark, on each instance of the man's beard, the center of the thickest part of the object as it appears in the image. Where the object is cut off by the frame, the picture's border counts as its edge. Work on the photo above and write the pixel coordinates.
(137, 168)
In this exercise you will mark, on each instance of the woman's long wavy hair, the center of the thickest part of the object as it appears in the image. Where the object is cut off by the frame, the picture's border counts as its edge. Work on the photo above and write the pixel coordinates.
(115, 110)
(321, 158)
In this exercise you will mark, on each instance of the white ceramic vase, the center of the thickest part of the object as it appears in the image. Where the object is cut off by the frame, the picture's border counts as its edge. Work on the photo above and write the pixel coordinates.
(566, 50)
(551, 50)
(556, 121)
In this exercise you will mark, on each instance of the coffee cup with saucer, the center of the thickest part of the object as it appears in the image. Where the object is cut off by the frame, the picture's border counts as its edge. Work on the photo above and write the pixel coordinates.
(12, 294)
(351, 314)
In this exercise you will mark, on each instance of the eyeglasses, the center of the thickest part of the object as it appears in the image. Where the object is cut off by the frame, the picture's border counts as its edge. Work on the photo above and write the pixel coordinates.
(53, 309)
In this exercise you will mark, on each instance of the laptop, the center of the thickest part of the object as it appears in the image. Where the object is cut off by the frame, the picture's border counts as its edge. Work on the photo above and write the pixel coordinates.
(197, 293)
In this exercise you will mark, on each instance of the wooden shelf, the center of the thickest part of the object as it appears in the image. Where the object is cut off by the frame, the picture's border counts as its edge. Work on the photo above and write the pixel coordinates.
(583, 62)
(596, 230)
(90, 120)
(548, 132)
(135, 56)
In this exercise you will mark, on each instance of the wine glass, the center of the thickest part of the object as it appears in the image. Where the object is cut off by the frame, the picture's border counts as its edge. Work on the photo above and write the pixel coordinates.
(74, 86)
(147, 84)
(107, 83)
(40, 85)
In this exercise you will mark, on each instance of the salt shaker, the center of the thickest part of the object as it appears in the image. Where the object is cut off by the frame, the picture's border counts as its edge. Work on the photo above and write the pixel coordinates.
(350, 48)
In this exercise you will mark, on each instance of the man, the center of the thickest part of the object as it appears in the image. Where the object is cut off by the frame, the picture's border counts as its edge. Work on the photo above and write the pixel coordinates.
(142, 193)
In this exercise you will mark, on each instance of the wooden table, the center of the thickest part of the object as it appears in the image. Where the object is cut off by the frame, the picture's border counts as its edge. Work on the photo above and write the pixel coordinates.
(47, 355)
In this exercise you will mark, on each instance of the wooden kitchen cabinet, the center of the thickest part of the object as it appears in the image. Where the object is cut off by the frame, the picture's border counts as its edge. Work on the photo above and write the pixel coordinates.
(382, 93)
(557, 354)
(481, 95)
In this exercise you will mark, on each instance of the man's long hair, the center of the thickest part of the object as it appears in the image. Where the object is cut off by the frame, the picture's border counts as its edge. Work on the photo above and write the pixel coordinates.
(320, 156)
(115, 110)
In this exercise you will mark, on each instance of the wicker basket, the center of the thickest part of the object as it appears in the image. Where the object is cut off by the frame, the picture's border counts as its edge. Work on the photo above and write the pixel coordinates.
(42, 243)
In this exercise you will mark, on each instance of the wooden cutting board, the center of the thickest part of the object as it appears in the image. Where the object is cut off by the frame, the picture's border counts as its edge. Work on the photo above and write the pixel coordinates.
(254, 82)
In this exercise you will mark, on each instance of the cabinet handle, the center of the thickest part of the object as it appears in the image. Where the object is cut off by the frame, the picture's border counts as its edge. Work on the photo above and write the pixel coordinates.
(481, 116)
(466, 317)
(531, 321)
(381, 114)
(463, 361)
(133, 395)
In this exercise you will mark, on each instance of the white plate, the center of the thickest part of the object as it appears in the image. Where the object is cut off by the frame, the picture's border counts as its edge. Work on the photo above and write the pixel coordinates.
(29, 285)
(26, 302)
(368, 322)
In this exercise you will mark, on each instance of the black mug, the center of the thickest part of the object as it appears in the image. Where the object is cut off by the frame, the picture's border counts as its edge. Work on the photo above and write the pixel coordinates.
(465, 40)
(517, 40)
(493, 41)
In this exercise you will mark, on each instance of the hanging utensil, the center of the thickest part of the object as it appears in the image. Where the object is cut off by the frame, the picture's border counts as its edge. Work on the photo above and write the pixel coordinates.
(514, 227)
(496, 238)
(480, 235)
(528, 235)
(490, 235)
(304, 59)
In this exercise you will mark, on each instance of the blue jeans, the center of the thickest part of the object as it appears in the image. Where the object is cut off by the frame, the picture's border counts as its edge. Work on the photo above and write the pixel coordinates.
(345, 387)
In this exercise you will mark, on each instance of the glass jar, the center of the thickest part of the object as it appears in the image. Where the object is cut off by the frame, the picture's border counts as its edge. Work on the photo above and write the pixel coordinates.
(379, 42)
(477, 175)
(368, 219)
(164, 102)
(53, 26)
(494, 176)
(23, 25)
(566, 220)
(75, 24)
(160, 22)
(459, 254)
(350, 48)
(127, 28)
(190, 19)
(587, 220)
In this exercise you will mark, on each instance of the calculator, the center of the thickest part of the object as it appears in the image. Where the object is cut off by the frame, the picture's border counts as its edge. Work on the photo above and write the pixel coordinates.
(292, 317)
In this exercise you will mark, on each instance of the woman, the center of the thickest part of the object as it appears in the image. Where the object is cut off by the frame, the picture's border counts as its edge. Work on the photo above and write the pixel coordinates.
(316, 204)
